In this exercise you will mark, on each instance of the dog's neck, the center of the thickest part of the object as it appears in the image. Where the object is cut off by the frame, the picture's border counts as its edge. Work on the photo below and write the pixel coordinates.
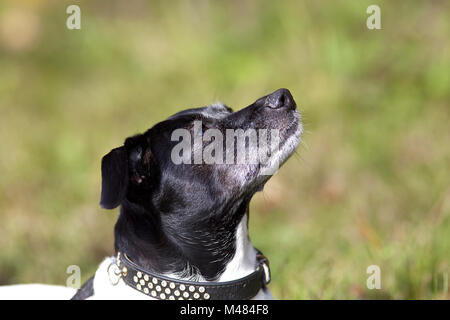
(244, 259)
(218, 252)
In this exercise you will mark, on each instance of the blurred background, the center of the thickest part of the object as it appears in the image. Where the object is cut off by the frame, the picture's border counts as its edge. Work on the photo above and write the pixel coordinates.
(370, 184)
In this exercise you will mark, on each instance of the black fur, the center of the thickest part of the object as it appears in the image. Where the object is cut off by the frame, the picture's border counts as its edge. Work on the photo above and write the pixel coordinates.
(86, 291)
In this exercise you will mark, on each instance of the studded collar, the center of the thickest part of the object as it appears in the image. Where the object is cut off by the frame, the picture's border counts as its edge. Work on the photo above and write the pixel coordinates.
(165, 288)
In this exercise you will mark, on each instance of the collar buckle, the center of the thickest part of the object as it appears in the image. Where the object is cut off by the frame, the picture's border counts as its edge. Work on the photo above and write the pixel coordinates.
(264, 263)
(114, 273)
(267, 276)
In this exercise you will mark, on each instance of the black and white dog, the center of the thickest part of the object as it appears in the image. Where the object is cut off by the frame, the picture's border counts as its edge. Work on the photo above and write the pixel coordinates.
(182, 230)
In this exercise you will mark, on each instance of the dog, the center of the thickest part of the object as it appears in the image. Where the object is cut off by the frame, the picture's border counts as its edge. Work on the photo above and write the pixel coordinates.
(182, 230)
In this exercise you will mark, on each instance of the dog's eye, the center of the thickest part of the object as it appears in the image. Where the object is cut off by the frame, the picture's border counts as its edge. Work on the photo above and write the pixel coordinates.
(202, 131)
(196, 130)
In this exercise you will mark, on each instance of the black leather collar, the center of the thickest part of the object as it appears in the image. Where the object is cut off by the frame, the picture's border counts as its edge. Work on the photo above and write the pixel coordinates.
(165, 288)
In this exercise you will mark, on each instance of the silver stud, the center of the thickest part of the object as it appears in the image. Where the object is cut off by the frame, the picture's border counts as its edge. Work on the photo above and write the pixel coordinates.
(206, 296)
(146, 277)
(124, 271)
(150, 285)
(142, 282)
(191, 288)
(155, 281)
(158, 288)
(163, 283)
(196, 295)
(167, 290)
(171, 298)
(172, 285)
(138, 286)
(153, 293)
(180, 298)
(146, 290)
(135, 279)
(201, 289)
(162, 296)
(182, 287)
(139, 274)
(185, 294)
(176, 292)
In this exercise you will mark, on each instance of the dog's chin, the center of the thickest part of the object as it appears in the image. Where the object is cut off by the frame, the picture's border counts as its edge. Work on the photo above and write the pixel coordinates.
(291, 139)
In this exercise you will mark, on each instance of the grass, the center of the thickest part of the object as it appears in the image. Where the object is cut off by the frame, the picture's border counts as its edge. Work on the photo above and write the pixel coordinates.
(370, 184)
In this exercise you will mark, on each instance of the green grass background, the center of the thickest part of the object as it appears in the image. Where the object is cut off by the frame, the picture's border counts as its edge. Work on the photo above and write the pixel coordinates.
(370, 183)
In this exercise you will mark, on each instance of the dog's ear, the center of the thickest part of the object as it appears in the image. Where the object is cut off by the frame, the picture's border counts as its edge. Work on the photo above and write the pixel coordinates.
(114, 178)
(120, 167)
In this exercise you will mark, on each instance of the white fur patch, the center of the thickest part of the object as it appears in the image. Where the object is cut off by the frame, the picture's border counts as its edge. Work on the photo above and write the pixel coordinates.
(36, 292)
(244, 260)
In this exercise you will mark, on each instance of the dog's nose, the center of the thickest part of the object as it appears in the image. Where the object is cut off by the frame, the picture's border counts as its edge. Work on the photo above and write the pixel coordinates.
(280, 99)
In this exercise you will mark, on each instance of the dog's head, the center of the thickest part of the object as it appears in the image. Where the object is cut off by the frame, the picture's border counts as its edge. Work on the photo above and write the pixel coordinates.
(183, 160)
(198, 166)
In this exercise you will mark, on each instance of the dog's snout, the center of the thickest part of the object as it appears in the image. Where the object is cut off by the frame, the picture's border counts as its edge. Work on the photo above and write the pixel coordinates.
(280, 99)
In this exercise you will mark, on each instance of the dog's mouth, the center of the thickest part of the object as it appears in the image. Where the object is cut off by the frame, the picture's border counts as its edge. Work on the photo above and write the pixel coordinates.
(290, 137)
(278, 111)
(279, 133)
